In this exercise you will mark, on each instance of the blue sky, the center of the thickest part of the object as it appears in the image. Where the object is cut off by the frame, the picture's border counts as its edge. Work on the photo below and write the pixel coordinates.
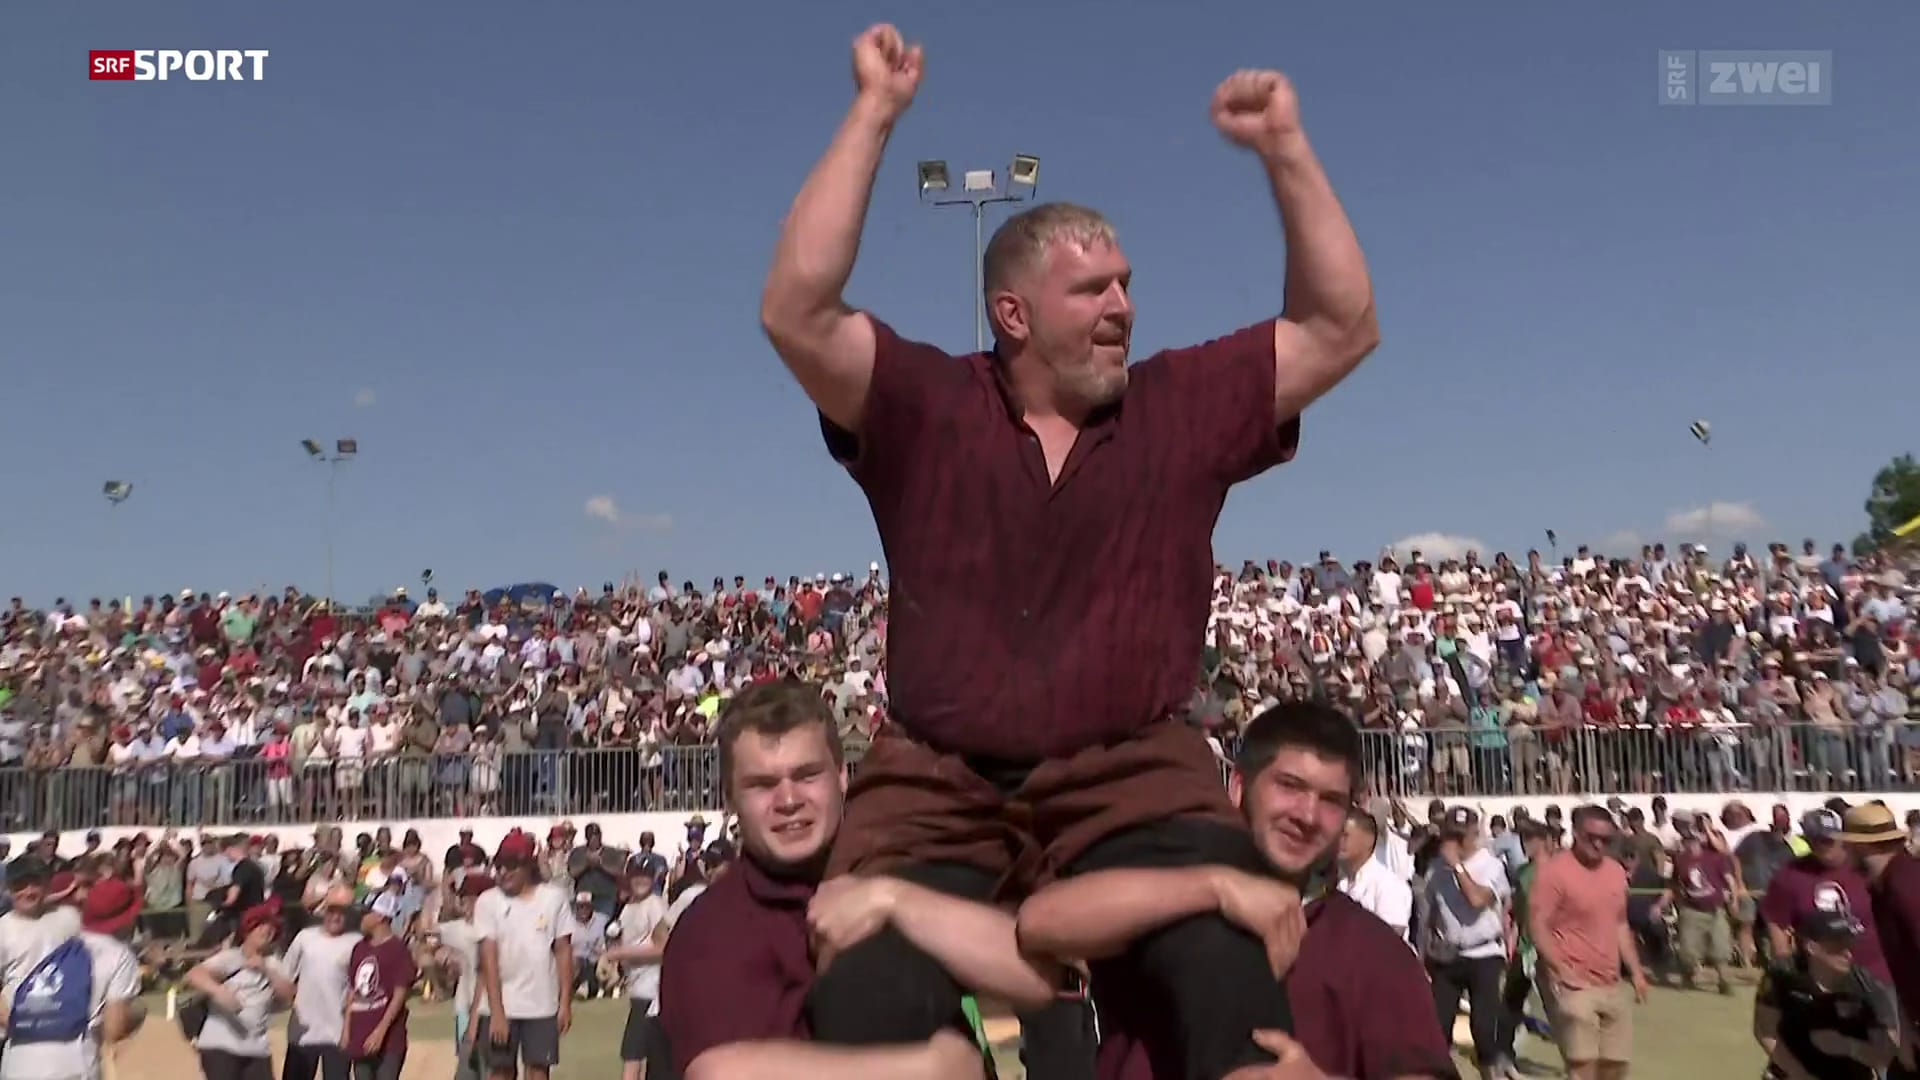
(516, 251)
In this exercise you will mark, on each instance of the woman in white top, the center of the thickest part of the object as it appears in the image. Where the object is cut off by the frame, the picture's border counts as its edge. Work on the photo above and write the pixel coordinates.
(245, 986)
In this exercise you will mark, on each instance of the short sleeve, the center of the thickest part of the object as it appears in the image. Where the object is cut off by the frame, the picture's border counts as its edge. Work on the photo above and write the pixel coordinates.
(908, 379)
(486, 917)
(123, 978)
(296, 952)
(565, 927)
(1777, 905)
(223, 964)
(1218, 402)
(713, 994)
(1487, 869)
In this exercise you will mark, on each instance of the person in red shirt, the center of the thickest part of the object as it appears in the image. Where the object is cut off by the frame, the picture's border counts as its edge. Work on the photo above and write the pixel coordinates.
(1876, 839)
(1047, 511)
(1702, 889)
(1362, 1007)
(380, 976)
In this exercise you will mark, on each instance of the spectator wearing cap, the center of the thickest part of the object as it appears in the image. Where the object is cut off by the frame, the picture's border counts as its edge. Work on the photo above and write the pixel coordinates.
(1824, 879)
(1536, 847)
(38, 1048)
(381, 980)
(1820, 1015)
(1577, 917)
(317, 960)
(1463, 912)
(245, 984)
(642, 941)
(740, 964)
(593, 867)
(32, 929)
(589, 941)
(1703, 886)
(456, 964)
(1879, 843)
(526, 965)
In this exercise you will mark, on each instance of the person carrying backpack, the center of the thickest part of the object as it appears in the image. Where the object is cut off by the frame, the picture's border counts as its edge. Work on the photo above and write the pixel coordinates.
(67, 990)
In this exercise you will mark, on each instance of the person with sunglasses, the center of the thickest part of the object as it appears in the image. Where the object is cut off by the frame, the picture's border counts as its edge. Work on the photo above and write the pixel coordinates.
(1577, 914)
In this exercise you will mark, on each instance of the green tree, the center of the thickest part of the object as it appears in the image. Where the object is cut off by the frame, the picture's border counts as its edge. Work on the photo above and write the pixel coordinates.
(1894, 501)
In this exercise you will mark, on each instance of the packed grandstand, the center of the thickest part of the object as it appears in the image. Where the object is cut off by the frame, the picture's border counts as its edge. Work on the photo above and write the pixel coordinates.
(1654, 671)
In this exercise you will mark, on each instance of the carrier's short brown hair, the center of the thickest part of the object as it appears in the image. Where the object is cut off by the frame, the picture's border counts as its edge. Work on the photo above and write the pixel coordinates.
(775, 708)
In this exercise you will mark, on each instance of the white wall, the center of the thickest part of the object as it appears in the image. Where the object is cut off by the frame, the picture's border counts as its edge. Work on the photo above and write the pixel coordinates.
(622, 830)
(1760, 802)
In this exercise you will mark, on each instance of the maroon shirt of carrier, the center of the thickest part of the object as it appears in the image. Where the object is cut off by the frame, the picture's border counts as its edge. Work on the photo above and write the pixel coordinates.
(1032, 618)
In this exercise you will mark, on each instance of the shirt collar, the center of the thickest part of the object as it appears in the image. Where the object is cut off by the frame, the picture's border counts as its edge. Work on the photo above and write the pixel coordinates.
(771, 891)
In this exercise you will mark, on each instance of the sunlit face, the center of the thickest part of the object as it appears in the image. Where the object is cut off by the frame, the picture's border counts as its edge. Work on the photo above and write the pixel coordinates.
(260, 938)
(29, 897)
(788, 793)
(1356, 843)
(1075, 313)
(1295, 807)
(1832, 959)
(1592, 840)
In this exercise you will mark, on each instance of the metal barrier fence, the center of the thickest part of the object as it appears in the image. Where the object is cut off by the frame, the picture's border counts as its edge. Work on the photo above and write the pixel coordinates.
(1430, 761)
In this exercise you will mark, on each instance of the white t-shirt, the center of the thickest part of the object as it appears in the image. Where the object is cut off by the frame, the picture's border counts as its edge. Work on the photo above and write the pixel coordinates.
(460, 938)
(1387, 896)
(637, 921)
(243, 1034)
(116, 977)
(24, 942)
(316, 961)
(524, 929)
(677, 909)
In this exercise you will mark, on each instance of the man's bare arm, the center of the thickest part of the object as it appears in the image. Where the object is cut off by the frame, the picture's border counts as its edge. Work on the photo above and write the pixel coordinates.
(1327, 325)
(947, 1056)
(1095, 916)
(828, 346)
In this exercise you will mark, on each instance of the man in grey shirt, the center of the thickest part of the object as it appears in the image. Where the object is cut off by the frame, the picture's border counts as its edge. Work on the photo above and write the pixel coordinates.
(317, 961)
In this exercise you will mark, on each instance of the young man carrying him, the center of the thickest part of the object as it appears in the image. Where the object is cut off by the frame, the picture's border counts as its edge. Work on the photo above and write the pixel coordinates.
(740, 962)
(1361, 1003)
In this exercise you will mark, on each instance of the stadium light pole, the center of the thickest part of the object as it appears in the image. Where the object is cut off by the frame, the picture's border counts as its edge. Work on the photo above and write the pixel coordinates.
(979, 189)
(344, 450)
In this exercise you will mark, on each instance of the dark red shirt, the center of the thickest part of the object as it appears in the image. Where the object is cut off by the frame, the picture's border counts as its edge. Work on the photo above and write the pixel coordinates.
(1896, 914)
(375, 974)
(1806, 884)
(1361, 1007)
(1033, 618)
(738, 965)
(1700, 880)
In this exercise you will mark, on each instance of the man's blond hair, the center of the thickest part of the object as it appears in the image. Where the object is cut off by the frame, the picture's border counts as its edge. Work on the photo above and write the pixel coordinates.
(1023, 238)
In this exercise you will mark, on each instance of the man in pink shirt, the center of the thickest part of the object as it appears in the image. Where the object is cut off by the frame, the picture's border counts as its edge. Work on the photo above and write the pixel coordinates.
(1578, 916)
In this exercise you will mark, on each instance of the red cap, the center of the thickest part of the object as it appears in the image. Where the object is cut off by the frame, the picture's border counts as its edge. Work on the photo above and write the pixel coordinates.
(260, 915)
(60, 886)
(474, 884)
(110, 907)
(516, 847)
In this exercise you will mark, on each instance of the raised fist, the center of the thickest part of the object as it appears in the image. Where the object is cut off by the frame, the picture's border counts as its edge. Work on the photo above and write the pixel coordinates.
(885, 68)
(1256, 109)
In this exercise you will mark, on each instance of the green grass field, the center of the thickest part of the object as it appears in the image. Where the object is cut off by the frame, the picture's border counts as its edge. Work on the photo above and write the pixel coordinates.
(1678, 1035)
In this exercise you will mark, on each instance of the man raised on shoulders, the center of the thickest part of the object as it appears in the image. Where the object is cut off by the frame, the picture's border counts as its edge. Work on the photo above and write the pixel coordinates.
(740, 961)
(1361, 1003)
(1047, 513)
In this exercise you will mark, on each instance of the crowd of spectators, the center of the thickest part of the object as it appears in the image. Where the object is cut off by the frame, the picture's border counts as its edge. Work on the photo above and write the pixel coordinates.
(1653, 671)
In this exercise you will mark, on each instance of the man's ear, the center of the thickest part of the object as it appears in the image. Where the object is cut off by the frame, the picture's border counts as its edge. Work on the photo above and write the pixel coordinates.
(1236, 788)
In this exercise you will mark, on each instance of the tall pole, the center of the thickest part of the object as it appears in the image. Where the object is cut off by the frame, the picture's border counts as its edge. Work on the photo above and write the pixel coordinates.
(979, 278)
(333, 468)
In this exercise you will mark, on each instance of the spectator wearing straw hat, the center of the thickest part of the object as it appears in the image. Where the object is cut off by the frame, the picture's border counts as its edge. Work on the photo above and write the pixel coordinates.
(1893, 879)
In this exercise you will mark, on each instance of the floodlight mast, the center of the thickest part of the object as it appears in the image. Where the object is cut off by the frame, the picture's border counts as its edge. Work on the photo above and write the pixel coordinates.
(344, 450)
(980, 188)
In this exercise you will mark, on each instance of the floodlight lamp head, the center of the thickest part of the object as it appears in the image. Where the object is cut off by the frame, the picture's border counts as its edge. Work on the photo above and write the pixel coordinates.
(312, 447)
(1024, 173)
(346, 447)
(979, 180)
(933, 178)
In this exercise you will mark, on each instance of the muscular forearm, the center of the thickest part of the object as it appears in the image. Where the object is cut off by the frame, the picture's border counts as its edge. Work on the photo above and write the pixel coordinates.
(1097, 915)
(945, 1057)
(977, 944)
(1328, 291)
(821, 235)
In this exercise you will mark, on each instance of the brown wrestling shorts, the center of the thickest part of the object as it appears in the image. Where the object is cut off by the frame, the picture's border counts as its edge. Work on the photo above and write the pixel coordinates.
(911, 804)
